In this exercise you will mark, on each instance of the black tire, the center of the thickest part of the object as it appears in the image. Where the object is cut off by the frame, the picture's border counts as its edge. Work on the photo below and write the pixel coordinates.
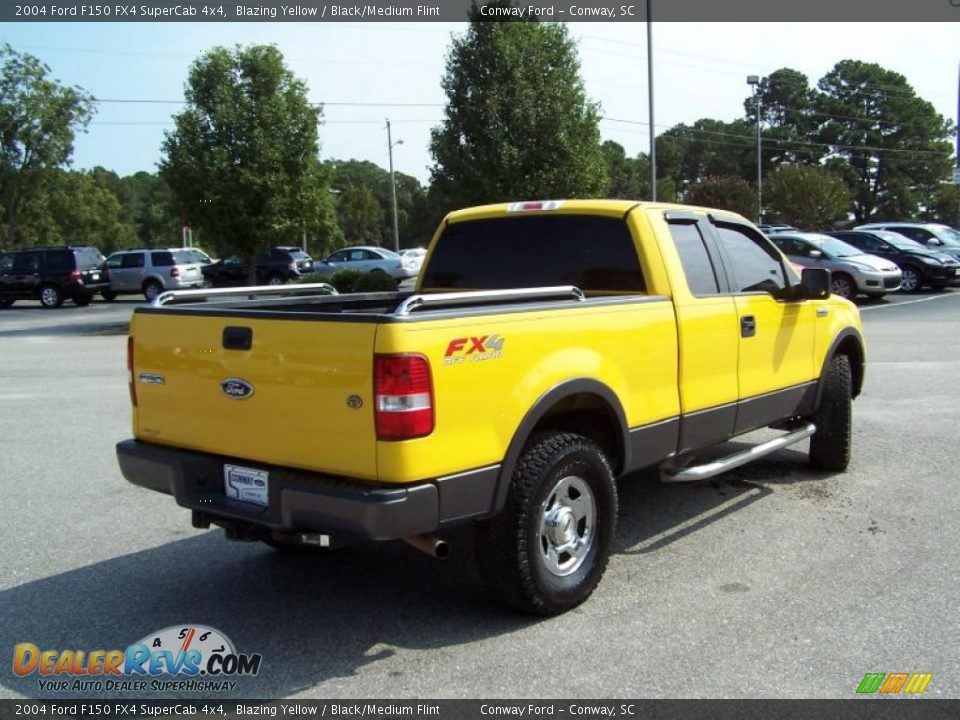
(939, 285)
(559, 477)
(51, 296)
(151, 288)
(82, 300)
(830, 444)
(276, 280)
(108, 295)
(911, 280)
(843, 286)
(5, 303)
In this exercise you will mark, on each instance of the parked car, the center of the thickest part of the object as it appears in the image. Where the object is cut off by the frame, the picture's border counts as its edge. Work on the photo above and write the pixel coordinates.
(417, 254)
(369, 257)
(852, 271)
(934, 235)
(51, 274)
(776, 227)
(151, 271)
(920, 265)
(276, 266)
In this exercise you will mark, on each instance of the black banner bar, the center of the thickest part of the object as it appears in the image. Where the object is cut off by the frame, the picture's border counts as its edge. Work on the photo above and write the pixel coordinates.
(456, 10)
(854, 709)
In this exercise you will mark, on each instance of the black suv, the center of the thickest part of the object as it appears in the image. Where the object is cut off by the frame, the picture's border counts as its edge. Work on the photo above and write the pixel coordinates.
(275, 267)
(920, 264)
(51, 274)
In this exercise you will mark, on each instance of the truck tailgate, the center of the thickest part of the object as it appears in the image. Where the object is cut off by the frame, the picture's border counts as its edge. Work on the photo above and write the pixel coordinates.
(298, 397)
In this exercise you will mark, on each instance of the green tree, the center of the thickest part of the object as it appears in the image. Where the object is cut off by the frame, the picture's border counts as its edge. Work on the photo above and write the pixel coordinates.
(689, 154)
(38, 120)
(806, 196)
(518, 124)
(893, 146)
(788, 111)
(624, 173)
(66, 207)
(360, 216)
(724, 192)
(242, 162)
(148, 206)
(944, 205)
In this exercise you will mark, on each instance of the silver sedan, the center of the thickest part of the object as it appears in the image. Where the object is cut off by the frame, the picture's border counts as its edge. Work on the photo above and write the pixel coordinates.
(852, 271)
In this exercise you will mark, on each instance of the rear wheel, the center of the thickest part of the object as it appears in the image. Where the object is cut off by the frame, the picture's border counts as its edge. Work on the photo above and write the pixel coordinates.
(82, 300)
(548, 548)
(108, 295)
(275, 280)
(830, 444)
(151, 289)
(842, 284)
(51, 296)
(911, 279)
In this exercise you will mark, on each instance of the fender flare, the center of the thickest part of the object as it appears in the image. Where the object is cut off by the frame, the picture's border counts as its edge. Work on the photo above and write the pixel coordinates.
(858, 368)
(568, 388)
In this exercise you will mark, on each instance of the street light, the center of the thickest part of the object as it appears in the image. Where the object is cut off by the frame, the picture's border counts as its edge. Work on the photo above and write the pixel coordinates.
(393, 189)
(754, 80)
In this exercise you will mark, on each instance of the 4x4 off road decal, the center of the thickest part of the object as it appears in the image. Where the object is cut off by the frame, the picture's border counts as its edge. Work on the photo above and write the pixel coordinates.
(474, 349)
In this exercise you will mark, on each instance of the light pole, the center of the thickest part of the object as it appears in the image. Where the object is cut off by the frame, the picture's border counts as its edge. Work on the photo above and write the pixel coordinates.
(754, 80)
(653, 135)
(393, 189)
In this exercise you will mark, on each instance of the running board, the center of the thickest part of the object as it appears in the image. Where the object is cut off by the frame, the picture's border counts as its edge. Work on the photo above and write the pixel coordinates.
(702, 472)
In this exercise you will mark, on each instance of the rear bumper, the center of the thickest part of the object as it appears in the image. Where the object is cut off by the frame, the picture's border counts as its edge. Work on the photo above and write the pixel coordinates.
(303, 501)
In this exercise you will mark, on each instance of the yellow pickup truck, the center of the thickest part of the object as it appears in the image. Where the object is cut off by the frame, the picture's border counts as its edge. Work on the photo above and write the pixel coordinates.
(547, 349)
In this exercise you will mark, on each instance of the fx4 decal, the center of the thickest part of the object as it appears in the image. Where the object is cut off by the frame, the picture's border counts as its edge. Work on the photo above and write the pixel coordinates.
(475, 349)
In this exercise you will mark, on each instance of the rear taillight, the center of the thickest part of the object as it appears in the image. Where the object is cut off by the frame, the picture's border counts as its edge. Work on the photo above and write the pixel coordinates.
(175, 272)
(403, 395)
(132, 386)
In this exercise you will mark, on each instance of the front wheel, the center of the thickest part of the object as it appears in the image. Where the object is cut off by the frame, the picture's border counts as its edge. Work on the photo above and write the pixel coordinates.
(548, 548)
(911, 279)
(830, 444)
(843, 286)
(108, 295)
(275, 280)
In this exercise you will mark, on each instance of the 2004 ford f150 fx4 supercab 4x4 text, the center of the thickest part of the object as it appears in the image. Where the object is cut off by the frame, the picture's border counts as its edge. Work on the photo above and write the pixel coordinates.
(548, 348)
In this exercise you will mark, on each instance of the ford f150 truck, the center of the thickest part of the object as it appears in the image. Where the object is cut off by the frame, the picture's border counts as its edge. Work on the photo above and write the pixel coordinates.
(547, 349)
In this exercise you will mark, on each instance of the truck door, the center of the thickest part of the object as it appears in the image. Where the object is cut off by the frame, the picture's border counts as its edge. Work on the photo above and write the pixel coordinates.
(708, 335)
(776, 335)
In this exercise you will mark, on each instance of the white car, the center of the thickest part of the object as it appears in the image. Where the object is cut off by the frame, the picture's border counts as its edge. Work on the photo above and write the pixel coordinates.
(369, 257)
(417, 254)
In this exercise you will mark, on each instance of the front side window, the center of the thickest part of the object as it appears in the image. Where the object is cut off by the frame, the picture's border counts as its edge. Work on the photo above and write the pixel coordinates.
(756, 265)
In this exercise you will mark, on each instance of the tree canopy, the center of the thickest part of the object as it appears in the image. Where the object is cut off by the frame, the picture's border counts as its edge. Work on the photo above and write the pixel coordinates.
(518, 123)
(242, 163)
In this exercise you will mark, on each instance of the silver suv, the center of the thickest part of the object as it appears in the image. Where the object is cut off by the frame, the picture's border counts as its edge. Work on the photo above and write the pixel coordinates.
(151, 271)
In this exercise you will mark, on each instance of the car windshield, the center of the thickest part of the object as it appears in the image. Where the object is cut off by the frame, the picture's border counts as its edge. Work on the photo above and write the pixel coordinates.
(184, 257)
(836, 248)
(897, 240)
(947, 235)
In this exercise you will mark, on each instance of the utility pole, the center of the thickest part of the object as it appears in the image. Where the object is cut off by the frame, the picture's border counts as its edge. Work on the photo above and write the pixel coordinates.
(754, 80)
(653, 132)
(393, 190)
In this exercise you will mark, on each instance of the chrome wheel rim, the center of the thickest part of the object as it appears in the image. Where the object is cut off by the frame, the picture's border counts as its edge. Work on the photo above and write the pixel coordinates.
(275, 281)
(568, 519)
(841, 286)
(151, 292)
(908, 283)
(49, 296)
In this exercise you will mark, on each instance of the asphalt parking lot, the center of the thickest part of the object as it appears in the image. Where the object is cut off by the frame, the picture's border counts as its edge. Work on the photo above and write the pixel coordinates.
(771, 581)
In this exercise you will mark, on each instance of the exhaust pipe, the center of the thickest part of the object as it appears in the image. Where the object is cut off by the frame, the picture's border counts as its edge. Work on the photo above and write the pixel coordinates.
(429, 544)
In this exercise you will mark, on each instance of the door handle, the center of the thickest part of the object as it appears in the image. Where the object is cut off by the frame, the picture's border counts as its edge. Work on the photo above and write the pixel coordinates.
(748, 326)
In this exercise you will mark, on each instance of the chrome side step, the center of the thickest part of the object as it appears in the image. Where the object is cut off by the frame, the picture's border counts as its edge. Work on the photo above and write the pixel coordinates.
(702, 472)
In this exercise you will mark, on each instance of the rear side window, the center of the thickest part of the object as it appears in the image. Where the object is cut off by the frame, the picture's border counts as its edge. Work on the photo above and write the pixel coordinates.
(132, 260)
(590, 252)
(701, 277)
(161, 259)
(60, 261)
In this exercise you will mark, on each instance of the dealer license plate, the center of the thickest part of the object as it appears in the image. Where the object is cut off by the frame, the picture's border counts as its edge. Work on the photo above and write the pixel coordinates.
(246, 484)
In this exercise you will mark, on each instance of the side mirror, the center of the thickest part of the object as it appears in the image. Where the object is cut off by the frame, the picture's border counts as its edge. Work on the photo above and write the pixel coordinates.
(814, 284)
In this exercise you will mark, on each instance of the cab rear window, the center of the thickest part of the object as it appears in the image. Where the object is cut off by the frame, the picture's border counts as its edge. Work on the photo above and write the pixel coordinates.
(593, 253)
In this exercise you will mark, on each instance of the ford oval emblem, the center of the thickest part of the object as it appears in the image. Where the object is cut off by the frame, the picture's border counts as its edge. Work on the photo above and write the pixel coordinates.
(236, 389)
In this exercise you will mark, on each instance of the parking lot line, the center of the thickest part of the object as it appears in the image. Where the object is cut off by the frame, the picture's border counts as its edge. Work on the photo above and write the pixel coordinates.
(908, 302)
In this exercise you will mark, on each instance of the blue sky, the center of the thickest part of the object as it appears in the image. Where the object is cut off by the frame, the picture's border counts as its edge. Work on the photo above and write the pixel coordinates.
(700, 71)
